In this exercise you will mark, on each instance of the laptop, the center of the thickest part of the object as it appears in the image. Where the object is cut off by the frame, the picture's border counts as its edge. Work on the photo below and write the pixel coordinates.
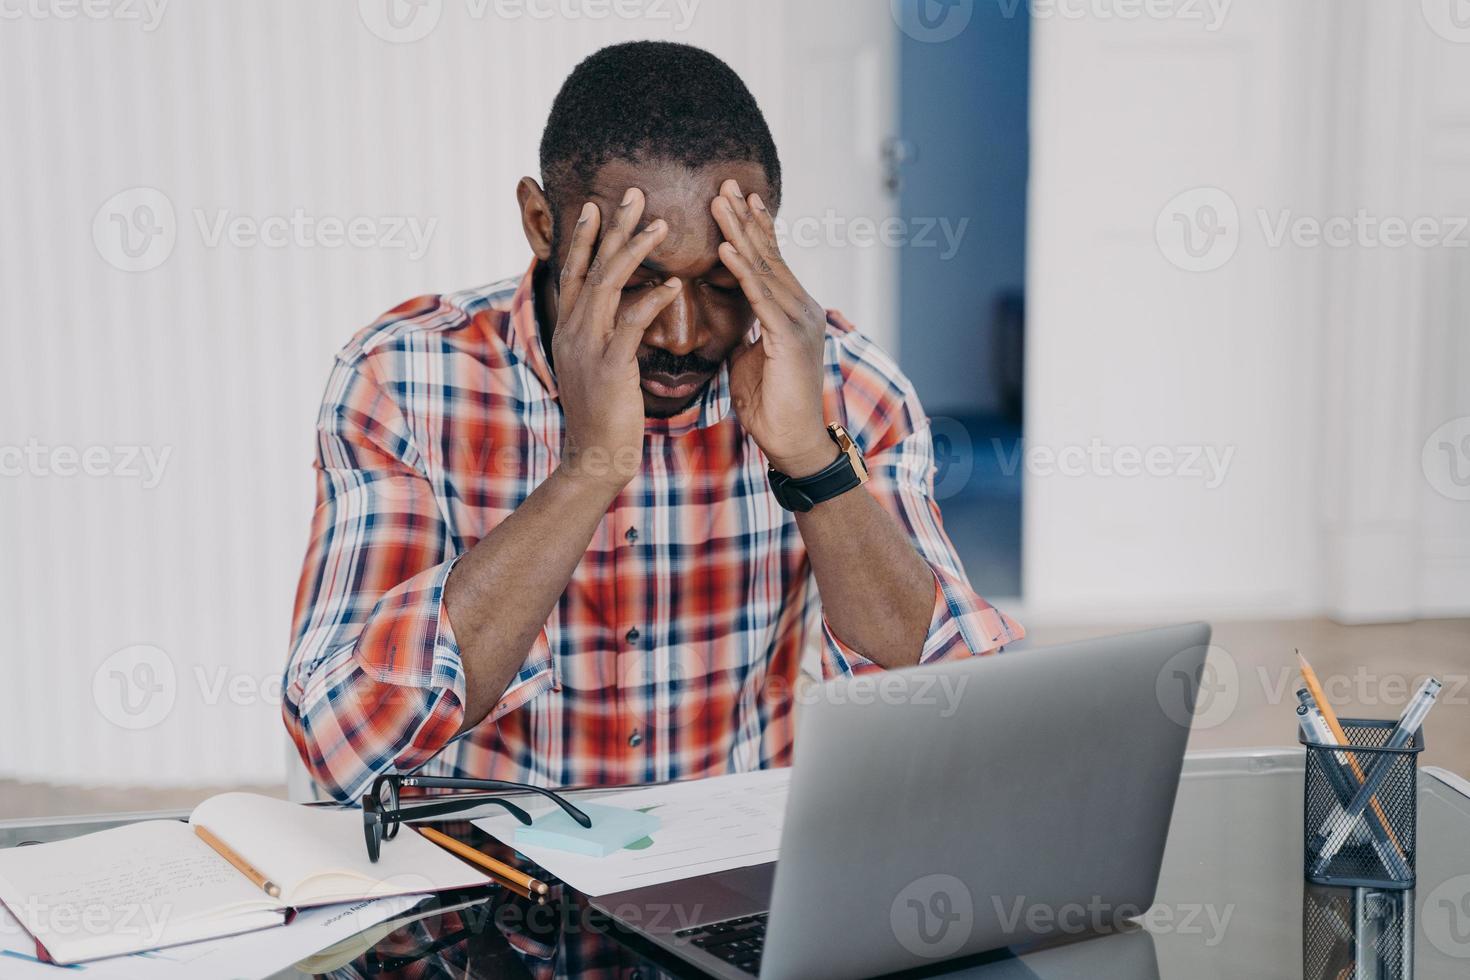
(941, 811)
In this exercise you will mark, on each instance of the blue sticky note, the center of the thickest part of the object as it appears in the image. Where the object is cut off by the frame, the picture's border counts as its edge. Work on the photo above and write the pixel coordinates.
(613, 828)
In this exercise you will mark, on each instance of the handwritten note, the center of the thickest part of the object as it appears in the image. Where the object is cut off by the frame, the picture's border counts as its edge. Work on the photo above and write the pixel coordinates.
(129, 887)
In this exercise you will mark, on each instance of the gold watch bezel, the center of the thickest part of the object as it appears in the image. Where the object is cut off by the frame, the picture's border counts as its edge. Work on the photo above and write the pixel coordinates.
(854, 455)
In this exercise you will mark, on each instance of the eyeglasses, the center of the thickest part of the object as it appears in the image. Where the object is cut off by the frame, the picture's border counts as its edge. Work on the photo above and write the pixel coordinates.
(381, 814)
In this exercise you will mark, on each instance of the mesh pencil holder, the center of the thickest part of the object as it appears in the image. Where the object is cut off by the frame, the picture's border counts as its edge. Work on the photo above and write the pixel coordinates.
(1360, 808)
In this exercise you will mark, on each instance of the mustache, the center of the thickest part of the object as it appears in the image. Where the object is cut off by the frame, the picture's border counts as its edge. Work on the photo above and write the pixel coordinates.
(660, 361)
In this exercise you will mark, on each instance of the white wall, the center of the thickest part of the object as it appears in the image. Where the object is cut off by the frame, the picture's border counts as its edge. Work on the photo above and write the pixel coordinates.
(1324, 370)
(217, 354)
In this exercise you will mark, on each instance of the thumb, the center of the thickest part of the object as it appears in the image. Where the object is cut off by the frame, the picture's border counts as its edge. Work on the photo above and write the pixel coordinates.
(631, 323)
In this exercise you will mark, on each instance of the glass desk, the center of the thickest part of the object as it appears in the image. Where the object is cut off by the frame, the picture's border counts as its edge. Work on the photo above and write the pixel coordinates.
(1231, 903)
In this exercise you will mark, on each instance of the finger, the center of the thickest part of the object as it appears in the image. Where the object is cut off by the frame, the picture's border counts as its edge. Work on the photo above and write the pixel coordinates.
(604, 299)
(765, 221)
(620, 225)
(780, 284)
(754, 233)
(574, 270)
(738, 222)
(730, 191)
(634, 319)
(775, 321)
(759, 226)
(737, 234)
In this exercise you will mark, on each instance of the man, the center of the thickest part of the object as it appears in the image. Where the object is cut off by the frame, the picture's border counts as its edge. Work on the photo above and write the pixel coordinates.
(548, 544)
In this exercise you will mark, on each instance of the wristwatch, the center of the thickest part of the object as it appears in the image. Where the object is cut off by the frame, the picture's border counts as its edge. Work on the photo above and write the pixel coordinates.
(846, 472)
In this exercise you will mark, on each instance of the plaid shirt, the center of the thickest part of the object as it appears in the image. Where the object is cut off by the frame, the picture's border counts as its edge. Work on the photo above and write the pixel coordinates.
(676, 647)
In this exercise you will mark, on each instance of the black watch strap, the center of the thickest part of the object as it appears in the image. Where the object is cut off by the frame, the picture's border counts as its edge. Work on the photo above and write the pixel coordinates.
(844, 473)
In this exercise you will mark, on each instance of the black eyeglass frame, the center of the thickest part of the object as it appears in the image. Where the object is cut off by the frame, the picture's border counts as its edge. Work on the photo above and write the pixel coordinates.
(382, 815)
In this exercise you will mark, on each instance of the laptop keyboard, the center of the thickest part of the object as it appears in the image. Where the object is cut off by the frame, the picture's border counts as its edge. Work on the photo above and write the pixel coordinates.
(736, 941)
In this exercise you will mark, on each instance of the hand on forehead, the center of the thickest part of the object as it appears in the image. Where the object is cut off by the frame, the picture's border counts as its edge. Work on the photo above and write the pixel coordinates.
(681, 196)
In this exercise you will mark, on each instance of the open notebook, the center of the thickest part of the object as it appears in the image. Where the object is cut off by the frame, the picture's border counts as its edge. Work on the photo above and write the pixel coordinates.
(154, 884)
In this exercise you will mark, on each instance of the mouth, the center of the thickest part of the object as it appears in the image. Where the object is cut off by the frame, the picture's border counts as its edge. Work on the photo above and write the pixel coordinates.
(673, 386)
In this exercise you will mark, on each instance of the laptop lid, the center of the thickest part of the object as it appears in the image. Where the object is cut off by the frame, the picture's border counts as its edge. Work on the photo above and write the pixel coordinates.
(944, 810)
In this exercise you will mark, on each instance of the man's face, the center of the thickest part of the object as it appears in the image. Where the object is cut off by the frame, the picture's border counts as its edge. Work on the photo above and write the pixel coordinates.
(683, 348)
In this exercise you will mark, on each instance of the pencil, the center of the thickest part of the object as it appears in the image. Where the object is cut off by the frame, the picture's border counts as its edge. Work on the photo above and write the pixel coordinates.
(499, 869)
(518, 890)
(241, 865)
(1320, 696)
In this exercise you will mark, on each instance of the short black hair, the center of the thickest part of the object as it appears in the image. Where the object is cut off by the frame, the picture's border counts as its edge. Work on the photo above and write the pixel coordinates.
(651, 100)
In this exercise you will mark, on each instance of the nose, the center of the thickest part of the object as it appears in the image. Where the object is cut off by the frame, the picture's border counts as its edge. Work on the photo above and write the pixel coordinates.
(677, 329)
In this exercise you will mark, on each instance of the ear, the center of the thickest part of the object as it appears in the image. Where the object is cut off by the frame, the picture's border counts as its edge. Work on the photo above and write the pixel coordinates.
(536, 217)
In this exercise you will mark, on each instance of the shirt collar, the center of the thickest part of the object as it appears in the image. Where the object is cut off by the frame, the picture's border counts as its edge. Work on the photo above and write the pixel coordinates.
(709, 410)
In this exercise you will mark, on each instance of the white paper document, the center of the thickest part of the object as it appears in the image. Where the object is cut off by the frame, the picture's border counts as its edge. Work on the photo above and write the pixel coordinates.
(705, 825)
(254, 954)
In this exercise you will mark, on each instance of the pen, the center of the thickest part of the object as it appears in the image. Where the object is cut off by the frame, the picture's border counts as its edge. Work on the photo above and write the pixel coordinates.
(241, 865)
(1315, 686)
(1403, 733)
(1314, 729)
(497, 868)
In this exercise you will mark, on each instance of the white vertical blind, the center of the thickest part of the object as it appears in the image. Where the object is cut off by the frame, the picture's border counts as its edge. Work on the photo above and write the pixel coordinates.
(146, 617)
(1333, 375)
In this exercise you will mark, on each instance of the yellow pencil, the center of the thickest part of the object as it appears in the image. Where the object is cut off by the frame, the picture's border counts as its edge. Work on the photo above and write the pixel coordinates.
(241, 865)
(499, 869)
(1320, 696)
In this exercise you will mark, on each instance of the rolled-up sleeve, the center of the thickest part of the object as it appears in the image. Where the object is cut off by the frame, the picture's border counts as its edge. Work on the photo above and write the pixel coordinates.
(889, 425)
(374, 680)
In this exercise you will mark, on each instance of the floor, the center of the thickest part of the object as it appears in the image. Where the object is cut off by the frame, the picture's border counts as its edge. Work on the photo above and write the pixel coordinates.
(1251, 699)
(1366, 671)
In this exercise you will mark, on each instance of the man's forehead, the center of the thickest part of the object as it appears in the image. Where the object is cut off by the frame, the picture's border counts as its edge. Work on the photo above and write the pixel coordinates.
(681, 196)
(673, 183)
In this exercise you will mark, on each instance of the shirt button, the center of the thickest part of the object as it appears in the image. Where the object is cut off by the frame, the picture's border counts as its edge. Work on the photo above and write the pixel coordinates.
(631, 534)
(632, 635)
(636, 739)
